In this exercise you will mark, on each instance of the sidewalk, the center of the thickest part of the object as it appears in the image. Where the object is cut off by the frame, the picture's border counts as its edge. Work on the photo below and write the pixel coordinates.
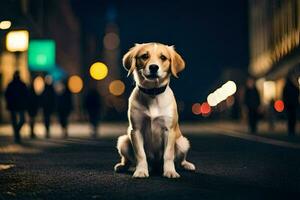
(113, 130)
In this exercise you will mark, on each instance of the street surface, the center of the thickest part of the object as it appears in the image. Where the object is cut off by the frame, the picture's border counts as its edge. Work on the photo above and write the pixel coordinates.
(230, 165)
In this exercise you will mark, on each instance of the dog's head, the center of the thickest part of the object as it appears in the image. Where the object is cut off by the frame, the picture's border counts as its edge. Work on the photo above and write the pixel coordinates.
(152, 64)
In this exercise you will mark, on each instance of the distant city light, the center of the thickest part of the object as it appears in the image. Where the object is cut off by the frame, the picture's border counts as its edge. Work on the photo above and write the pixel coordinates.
(279, 105)
(196, 108)
(5, 24)
(17, 40)
(38, 85)
(111, 41)
(98, 71)
(116, 87)
(230, 101)
(205, 108)
(269, 92)
(75, 84)
(222, 93)
(41, 55)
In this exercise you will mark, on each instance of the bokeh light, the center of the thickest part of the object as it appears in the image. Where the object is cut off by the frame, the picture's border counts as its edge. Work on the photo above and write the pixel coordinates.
(196, 108)
(111, 41)
(116, 87)
(98, 71)
(75, 84)
(230, 101)
(17, 40)
(212, 99)
(279, 105)
(38, 85)
(5, 24)
(222, 93)
(205, 108)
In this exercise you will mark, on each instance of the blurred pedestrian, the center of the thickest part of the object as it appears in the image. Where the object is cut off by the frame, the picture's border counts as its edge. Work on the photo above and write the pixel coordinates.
(92, 105)
(271, 114)
(32, 108)
(64, 106)
(291, 100)
(48, 103)
(252, 102)
(16, 100)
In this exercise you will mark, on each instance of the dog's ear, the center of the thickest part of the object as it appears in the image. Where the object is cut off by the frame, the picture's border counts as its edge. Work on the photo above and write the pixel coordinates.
(129, 59)
(177, 63)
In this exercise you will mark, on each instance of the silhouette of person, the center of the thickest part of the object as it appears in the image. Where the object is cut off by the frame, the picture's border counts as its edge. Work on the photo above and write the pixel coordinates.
(92, 105)
(48, 103)
(16, 100)
(32, 108)
(252, 102)
(64, 106)
(291, 100)
(271, 115)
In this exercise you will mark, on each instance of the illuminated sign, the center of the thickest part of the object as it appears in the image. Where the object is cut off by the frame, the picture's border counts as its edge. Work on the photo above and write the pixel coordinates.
(41, 55)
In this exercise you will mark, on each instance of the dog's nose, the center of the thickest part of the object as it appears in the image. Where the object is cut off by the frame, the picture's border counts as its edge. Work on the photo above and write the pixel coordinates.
(153, 69)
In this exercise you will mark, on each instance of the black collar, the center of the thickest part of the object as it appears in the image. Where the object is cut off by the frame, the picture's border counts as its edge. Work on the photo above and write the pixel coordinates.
(153, 91)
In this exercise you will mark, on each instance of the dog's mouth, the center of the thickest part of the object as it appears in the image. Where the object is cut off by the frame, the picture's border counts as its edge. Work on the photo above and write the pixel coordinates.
(152, 76)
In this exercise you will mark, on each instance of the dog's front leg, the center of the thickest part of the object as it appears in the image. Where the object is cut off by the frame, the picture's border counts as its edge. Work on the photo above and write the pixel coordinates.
(169, 154)
(137, 140)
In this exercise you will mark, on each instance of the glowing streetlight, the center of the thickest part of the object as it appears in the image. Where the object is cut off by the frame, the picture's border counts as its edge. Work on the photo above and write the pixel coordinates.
(98, 71)
(38, 85)
(75, 84)
(17, 41)
(5, 25)
(196, 108)
(116, 87)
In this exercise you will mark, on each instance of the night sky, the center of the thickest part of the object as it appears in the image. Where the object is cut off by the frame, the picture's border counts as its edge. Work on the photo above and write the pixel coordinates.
(210, 35)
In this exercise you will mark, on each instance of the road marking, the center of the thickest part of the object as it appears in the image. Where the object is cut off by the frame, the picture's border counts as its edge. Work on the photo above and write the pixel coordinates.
(257, 138)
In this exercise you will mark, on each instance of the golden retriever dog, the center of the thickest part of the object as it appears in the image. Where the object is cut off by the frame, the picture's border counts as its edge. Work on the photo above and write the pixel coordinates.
(153, 134)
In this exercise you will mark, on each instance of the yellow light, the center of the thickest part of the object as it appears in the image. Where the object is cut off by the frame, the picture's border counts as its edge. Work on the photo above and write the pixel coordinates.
(75, 84)
(5, 25)
(116, 87)
(269, 91)
(17, 41)
(98, 71)
(38, 85)
(111, 41)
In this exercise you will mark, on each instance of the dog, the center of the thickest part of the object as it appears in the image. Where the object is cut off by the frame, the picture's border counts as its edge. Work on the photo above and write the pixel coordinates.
(153, 135)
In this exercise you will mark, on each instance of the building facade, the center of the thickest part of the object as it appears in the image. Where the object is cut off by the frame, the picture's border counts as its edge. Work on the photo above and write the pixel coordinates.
(274, 39)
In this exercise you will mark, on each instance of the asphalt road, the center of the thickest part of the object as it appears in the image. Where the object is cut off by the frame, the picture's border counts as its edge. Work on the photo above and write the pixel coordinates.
(79, 168)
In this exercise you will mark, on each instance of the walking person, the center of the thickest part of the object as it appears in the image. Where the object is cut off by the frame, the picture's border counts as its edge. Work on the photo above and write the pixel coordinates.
(291, 101)
(252, 102)
(48, 103)
(16, 101)
(92, 105)
(64, 107)
(32, 109)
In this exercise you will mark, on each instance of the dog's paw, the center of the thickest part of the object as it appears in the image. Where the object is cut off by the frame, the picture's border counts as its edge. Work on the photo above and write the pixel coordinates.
(171, 174)
(188, 166)
(141, 173)
(120, 167)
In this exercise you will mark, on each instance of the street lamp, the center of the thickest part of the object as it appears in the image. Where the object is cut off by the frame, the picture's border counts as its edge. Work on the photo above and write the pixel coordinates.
(17, 42)
(5, 24)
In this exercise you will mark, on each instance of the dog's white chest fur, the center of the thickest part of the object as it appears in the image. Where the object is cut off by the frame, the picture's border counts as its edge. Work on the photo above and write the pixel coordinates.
(155, 114)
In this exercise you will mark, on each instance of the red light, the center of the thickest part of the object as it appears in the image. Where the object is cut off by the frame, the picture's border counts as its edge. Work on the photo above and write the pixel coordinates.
(196, 108)
(279, 105)
(205, 108)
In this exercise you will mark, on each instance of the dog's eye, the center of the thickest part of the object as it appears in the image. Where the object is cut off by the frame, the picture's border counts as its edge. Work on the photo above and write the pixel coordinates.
(145, 56)
(163, 58)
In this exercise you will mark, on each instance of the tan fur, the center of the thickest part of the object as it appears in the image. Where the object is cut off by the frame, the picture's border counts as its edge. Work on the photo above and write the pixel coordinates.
(153, 130)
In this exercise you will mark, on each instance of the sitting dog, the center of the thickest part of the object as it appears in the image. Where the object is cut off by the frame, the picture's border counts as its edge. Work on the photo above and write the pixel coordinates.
(153, 134)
